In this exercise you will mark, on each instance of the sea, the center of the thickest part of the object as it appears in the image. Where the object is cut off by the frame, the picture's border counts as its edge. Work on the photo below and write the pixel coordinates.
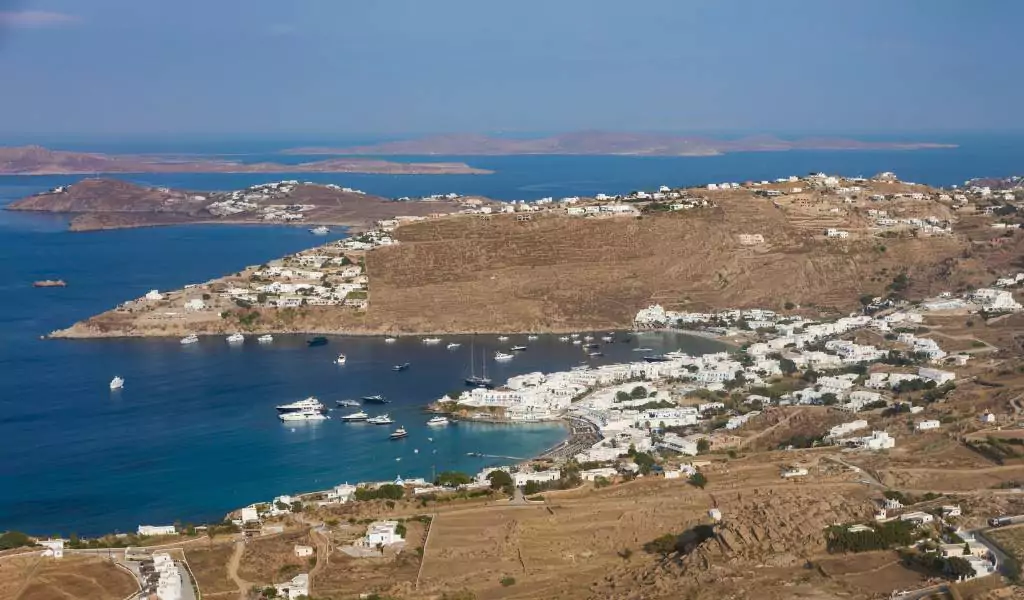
(194, 433)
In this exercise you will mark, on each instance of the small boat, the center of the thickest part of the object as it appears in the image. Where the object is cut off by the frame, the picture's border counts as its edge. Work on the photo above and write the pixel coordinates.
(574, 335)
(400, 367)
(564, 338)
(303, 415)
(595, 354)
(502, 338)
(375, 399)
(190, 339)
(389, 340)
(49, 283)
(588, 338)
(356, 416)
(577, 342)
(518, 348)
(453, 345)
(532, 337)
(116, 383)
(591, 345)
(431, 341)
(478, 381)
(316, 341)
(380, 420)
(346, 403)
(656, 358)
(643, 349)
(321, 230)
(438, 422)
(310, 403)
(266, 338)
(341, 359)
(399, 434)
(235, 338)
(608, 338)
(502, 356)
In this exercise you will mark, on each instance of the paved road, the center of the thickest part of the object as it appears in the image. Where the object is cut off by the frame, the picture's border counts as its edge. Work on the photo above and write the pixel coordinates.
(187, 591)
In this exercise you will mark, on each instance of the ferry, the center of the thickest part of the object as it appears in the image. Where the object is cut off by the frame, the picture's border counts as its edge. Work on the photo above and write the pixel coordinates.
(266, 338)
(190, 339)
(502, 356)
(518, 348)
(375, 399)
(303, 415)
(341, 359)
(400, 367)
(356, 416)
(532, 337)
(235, 338)
(321, 230)
(310, 403)
(116, 383)
(453, 345)
(380, 420)
(346, 403)
(502, 338)
(389, 340)
(438, 422)
(399, 434)
(316, 341)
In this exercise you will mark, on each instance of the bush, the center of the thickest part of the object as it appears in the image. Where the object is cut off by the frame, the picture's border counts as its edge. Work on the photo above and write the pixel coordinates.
(400, 529)
(507, 581)
(14, 539)
(500, 480)
(452, 478)
(884, 536)
(638, 392)
(698, 480)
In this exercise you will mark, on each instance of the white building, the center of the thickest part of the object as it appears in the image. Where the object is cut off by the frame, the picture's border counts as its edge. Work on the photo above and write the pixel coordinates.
(592, 474)
(676, 443)
(878, 440)
(303, 551)
(249, 515)
(292, 590)
(522, 479)
(195, 304)
(157, 530)
(938, 376)
(54, 548)
(837, 233)
(169, 582)
(790, 473)
(846, 429)
(154, 295)
(382, 533)
(926, 425)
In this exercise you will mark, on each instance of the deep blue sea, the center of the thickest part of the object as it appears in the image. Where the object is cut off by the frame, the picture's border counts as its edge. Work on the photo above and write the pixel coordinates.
(194, 433)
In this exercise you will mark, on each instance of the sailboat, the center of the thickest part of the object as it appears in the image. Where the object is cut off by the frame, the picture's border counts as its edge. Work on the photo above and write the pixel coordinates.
(475, 380)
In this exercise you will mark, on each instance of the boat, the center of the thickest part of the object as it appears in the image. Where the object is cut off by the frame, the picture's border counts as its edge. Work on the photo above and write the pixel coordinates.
(574, 335)
(588, 338)
(588, 346)
(341, 359)
(502, 338)
(518, 348)
(438, 421)
(266, 338)
(399, 434)
(389, 340)
(475, 380)
(380, 420)
(321, 230)
(608, 338)
(49, 283)
(316, 341)
(452, 345)
(502, 356)
(595, 354)
(564, 338)
(375, 399)
(577, 342)
(643, 349)
(303, 415)
(400, 367)
(356, 416)
(235, 338)
(346, 403)
(431, 341)
(310, 403)
(190, 339)
(116, 383)
(656, 358)
(531, 337)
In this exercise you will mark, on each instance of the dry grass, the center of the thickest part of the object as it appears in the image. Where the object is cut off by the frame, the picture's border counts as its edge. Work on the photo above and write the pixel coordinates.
(73, 578)
(209, 565)
(272, 559)
(344, 576)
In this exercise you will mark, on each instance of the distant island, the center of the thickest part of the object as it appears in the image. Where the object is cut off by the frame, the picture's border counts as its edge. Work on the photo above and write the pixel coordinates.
(604, 143)
(36, 160)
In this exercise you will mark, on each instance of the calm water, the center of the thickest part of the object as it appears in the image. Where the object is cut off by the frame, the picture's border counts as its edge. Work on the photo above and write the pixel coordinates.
(194, 433)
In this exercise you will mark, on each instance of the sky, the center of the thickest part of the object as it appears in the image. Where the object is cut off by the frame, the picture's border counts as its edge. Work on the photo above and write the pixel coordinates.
(393, 67)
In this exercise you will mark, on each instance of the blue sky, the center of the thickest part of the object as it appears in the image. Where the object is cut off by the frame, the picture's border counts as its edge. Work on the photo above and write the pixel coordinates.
(345, 67)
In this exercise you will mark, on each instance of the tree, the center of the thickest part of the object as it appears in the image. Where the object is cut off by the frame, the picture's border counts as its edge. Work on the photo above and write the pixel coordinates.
(621, 396)
(789, 306)
(281, 506)
(698, 480)
(14, 539)
(828, 399)
(269, 592)
(500, 480)
(297, 506)
(638, 392)
(645, 461)
(703, 445)
(959, 568)
(532, 487)
(787, 366)
(452, 478)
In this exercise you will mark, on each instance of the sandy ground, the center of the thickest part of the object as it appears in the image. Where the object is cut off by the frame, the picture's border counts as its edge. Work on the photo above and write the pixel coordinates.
(71, 578)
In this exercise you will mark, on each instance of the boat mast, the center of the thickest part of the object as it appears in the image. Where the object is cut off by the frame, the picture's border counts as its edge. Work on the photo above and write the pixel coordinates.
(472, 357)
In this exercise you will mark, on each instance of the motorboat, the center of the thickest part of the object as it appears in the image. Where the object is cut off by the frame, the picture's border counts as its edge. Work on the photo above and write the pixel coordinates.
(591, 345)
(503, 356)
(574, 335)
(399, 434)
(356, 416)
(438, 421)
(431, 341)
(321, 230)
(453, 345)
(235, 338)
(389, 340)
(577, 342)
(564, 338)
(346, 403)
(116, 383)
(380, 420)
(190, 339)
(316, 341)
(608, 338)
(518, 348)
(303, 415)
(588, 338)
(502, 338)
(595, 354)
(266, 338)
(532, 337)
(400, 367)
(310, 403)
(375, 399)
(341, 359)
(643, 349)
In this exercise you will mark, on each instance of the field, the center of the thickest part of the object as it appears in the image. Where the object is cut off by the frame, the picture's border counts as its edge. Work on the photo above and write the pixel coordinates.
(71, 578)
(344, 577)
(210, 567)
(1010, 539)
(272, 559)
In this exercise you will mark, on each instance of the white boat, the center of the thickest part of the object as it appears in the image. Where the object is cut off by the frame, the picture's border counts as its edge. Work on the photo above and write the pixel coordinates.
(303, 415)
(389, 340)
(588, 338)
(643, 349)
(531, 337)
(116, 383)
(518, 348)
(310, 403)
(356, 416)
(321, 230)
(608, 338)
(380, 420)
(575, 335)
(266, 338)
(453, 345)
(190, 339)
(235, 338)
(399, 434)
(437, 422)
(502, 356)
(347, 403)
(577, 342)
(341, 359)
(564, 338)
(502, 338)
(431, 340)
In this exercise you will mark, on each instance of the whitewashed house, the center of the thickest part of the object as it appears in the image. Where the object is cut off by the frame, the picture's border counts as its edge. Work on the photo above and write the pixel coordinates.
(382, 533)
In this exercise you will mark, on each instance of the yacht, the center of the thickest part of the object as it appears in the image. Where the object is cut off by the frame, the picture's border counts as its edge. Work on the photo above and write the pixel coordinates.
(235, 338)
(266, 338)
(531, 337)
(310, 403)
(341, 359)
(389, 340)
(564, 338)
(380, 420)
(346, 403)
(518, 348)
(502, 356)
(399, 434)
(478, 381)
(475, 380)
(356, 416)
(502, 338)
(453, 345)
(321, 230)
(375, 399)
(577, 341)
(438, 421)
(574, 335)
(608, 338)
(400, 367)
(116, 383)
(303, 415)
(588, 338)
(431, 340)
(190, 339)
